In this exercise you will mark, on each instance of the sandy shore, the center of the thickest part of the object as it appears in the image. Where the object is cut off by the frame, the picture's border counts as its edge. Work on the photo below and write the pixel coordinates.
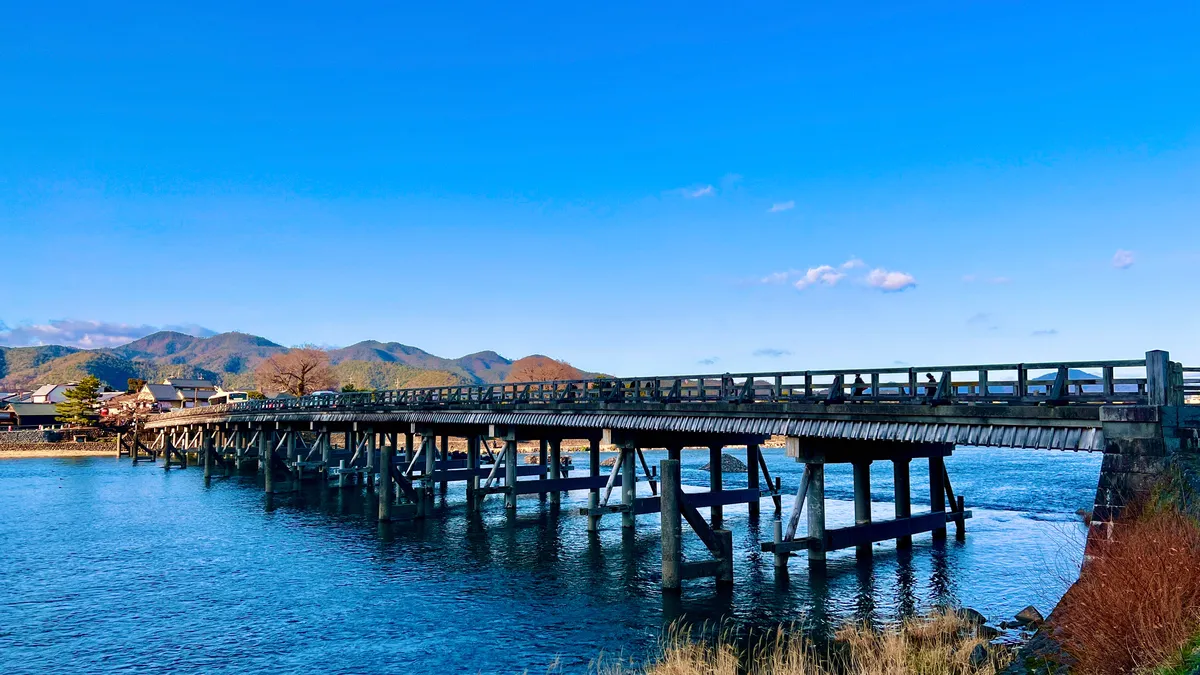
(18, 451)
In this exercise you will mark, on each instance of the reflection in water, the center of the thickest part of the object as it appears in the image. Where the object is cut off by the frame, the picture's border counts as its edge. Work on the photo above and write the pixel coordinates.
(506, 592)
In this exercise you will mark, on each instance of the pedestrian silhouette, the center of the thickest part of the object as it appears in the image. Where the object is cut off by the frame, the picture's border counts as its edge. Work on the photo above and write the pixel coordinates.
(860, 387)
(931, 387)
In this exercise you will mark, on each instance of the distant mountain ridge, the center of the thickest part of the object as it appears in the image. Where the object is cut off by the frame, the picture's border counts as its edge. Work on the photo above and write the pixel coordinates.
(230, 359)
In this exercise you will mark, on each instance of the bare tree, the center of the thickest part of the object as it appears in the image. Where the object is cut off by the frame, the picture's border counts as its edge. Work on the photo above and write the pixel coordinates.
(539, 368)
(298, 371)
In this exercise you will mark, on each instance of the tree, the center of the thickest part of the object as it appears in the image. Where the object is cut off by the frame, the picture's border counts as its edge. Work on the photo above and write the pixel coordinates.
(298, 371)
(541, 369)
(134, 384)
(80, 406)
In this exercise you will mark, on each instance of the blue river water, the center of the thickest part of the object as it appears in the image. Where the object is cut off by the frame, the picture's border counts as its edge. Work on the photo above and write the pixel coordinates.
(110, 568)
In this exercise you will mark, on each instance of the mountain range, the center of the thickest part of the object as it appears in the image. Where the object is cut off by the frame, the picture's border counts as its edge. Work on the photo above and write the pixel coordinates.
(230, 359)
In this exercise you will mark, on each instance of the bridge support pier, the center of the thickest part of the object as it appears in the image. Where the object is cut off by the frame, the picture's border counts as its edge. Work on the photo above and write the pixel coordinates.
(556, 468)
(937, 492)
(473, 442)
(752, 453)
(816, 513)
(385, 481)
(445, 457)
(593, 523)
(510, 475)
(716, 513)
(206, 447)
(862, 503)
(264, 459)
(900, 468)
(628, 485)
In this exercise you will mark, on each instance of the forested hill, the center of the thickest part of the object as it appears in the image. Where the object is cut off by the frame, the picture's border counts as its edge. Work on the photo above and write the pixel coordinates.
(231, 358)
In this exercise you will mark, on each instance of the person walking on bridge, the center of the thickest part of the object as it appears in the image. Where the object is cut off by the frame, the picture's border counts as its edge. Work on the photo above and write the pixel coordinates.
(931, 386)
(860, 387)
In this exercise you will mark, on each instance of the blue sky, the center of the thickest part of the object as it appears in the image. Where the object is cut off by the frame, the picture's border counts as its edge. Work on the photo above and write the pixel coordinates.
(635, 190)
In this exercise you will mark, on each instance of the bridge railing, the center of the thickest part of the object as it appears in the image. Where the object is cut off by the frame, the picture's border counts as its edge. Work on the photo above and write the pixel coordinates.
(1051, 383)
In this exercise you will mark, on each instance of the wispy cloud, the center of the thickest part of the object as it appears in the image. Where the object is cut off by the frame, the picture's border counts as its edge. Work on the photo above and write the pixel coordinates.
(1044, 333)
(782, 206)
(825, 274)
(777, 277)
(85, 334)
(853, 264)
(697, 192)
(890, 282)
(771, 352)
(712, 360)
(982, 321)
(1122, 259)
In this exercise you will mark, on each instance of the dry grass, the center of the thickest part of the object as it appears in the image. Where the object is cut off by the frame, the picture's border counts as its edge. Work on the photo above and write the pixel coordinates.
(939, 644)
(1138, 598)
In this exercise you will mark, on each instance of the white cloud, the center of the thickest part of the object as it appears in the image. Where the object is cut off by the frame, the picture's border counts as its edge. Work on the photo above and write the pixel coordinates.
(890, 282)
(1122, 259)
(824, 274)
(705, 191)
(771, 352)
(85, 334)
(782, 206)
(777, 277)
(853, 263)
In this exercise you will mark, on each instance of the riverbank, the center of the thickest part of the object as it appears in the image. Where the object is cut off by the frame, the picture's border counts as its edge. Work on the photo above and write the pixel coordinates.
(33, 450)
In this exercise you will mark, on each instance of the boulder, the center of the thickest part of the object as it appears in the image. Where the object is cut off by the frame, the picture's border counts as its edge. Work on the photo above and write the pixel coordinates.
(729, 464)
(611, 461)
(971, 616)
(1029, 616)
(979, 656)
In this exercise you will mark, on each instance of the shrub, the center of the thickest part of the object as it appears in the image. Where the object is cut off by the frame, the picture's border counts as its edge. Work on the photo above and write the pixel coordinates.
(1138, 597)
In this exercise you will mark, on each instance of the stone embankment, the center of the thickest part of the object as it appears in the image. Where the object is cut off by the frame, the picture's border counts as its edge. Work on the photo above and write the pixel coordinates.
(56, 443)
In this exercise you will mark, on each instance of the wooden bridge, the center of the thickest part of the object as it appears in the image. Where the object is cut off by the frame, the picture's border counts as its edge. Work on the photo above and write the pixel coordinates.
(1134, 411)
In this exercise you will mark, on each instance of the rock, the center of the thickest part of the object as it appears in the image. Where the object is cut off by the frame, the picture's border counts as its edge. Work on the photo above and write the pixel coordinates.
(611, 461)
(533, 459)
(987, 632)
(729, 464)
(971, 616)
(1029, 616)
(979, 656)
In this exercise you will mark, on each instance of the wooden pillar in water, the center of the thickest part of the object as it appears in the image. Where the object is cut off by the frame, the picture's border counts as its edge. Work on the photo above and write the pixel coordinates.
(556, 468)
(352, 443)
(264, 459)
(168, 447)
(593, 494)
(672, 525)
(510, 475)
(816, 511)
(903, 497)
(714, 484)
(628, 461)
(206, 447)
(385, 479)
(862, 502)
(408, 447)
(543, 458)
(937, 491)
(430, 444)
(444, 456)
(473, 478)
(326, 456)
(371, 450)
(752, 452)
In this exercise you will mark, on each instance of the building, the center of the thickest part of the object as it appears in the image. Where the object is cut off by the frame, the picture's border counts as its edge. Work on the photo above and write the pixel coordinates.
(57, 393)
(51, 393)
(158, 397)
(190, 389)
(33, 414)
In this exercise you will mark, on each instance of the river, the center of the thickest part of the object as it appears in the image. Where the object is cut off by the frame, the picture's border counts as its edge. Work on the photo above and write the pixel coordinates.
(111, 568)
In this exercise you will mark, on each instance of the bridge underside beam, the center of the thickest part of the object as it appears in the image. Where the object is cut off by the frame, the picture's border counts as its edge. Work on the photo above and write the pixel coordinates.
(675, 439)
(880, 530)
(845, 451)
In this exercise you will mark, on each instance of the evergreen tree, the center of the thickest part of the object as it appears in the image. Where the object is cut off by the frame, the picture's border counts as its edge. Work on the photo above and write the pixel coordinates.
(80, 406)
